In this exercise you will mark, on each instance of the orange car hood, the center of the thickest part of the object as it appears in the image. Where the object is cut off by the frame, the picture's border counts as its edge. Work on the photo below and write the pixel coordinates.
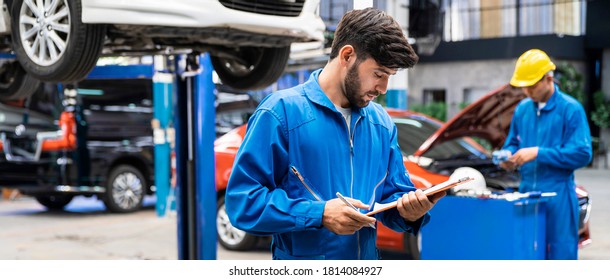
(488, 118)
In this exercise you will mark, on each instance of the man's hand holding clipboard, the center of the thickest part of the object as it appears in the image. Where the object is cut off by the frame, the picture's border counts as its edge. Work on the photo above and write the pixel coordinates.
(411, 205)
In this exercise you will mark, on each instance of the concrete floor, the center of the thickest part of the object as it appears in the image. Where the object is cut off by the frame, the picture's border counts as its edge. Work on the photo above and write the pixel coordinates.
(87, 231)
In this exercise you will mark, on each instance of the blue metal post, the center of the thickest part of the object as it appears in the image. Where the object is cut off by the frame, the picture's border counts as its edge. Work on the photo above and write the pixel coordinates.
(205, 125)
(396, 98)
(162, 104)
(7, 56)
(195, 134)
(183, 192)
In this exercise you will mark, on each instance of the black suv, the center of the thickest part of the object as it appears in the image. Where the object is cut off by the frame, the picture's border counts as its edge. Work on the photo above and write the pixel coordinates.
(113, 153)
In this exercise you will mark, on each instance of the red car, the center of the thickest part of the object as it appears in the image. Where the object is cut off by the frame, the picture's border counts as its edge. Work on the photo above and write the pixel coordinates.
(431, 152)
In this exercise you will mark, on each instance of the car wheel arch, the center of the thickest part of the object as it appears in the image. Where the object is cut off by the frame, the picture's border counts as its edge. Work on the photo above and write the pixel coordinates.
(264, 71)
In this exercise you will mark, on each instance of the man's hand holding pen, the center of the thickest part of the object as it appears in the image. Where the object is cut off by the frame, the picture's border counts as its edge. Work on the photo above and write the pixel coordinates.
(340, 218)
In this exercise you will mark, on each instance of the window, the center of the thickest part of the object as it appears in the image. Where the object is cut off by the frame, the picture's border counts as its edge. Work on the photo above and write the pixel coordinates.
(473, 94)
(535, 17)
(477, 19)
(498, 18)
(434, 96)
(331, 11)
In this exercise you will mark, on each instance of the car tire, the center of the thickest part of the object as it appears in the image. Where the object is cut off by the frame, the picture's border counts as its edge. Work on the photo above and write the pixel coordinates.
(16, 83)
(257, 68)
(125, 189)
(70, 49)
(412, 246)
(230, 237)
(54, 202)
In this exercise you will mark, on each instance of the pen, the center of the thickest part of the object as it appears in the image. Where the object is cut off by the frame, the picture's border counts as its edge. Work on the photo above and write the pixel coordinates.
(351, 205)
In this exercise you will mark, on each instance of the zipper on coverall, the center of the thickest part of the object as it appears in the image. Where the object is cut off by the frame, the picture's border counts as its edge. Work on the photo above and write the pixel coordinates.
(298, 174)
(351, 163)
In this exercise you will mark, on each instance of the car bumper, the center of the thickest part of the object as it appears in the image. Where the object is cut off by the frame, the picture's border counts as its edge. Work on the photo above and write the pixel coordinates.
(584, 234)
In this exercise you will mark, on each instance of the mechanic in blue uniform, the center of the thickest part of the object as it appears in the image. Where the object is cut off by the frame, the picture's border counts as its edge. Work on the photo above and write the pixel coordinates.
(549, 138)
(306, 143)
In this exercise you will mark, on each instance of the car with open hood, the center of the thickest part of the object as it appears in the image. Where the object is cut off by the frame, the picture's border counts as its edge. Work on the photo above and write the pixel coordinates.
(432, 151)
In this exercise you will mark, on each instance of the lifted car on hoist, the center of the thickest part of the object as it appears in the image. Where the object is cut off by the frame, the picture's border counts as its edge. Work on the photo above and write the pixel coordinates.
(61, 40)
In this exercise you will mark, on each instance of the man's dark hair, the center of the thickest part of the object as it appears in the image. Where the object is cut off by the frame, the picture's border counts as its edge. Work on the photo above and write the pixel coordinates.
(373, 33)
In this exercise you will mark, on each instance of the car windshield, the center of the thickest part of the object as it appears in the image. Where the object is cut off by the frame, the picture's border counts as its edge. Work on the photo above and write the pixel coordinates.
(414, 130)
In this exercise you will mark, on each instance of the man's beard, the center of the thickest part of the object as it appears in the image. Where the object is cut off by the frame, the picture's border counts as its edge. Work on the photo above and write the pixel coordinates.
(352, 89)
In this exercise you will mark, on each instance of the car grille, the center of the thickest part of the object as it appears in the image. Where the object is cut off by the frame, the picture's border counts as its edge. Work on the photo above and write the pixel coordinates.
(287, 8)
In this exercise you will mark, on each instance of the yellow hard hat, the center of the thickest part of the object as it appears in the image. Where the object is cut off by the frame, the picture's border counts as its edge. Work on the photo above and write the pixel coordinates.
(530, 68)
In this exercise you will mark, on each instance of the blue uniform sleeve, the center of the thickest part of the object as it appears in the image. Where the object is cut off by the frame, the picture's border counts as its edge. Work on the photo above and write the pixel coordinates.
(512, 141)
(576, 151)
(396, 184)
(255, 199)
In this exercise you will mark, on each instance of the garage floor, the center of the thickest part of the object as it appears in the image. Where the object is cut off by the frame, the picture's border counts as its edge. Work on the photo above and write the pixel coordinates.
(87, 231)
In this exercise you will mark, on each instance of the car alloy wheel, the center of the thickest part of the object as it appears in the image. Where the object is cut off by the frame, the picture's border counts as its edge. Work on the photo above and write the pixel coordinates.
(45, 30)
(125, 189)
(51, 42)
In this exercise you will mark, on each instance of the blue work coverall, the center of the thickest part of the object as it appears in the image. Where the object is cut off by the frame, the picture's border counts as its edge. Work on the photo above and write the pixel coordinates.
(297, 154)
(561, 132)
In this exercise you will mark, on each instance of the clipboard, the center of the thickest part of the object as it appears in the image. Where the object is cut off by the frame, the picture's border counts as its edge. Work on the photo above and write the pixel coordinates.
(380, 207)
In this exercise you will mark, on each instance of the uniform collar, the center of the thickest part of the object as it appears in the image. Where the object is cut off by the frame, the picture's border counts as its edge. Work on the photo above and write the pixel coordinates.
(550, 104)
(314, 92)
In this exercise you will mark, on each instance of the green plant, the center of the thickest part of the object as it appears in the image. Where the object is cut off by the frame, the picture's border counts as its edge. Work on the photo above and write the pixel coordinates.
(601, 114)
(463, 105)
(436, 110)
(570, 81)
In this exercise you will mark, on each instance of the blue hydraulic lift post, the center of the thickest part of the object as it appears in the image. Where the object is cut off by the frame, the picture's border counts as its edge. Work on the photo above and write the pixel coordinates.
(205, 127)
(162, 104)
(182, 158)
(195, 133)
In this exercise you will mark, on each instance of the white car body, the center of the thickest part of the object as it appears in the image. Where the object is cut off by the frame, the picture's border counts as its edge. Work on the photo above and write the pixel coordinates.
(249, 41)
(203, 13)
